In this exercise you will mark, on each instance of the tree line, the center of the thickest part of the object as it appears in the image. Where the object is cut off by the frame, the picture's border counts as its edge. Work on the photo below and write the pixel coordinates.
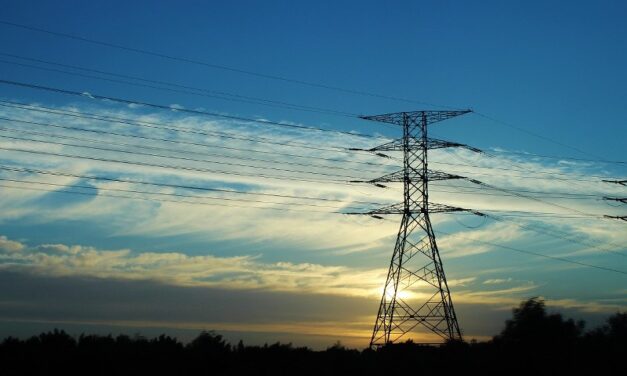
(532, 342)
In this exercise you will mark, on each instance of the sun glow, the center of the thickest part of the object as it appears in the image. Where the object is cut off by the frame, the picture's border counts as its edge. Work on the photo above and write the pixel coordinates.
(403, 294)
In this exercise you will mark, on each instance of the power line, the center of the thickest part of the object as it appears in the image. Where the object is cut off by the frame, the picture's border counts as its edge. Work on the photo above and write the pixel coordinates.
(162, 200)
(218, 66)
(538, 213)
(528, 191)
(173, 157)
(314, 85)
(273, 77)
(147, 146)
(556, 258)
(574, 178)
(177, 88)
(186, 110)
(548, 194)
(529, 197)
(162, 126)
(552, 173)
(158, 125)
(520, 176)
(525, 196)
(87, 115)
(481, 193)
(55, 173)
(497, 121)
(191, 187)
(560, 235)
(178, 186)
(559, 157)
(164, 193)
(176, 168)
(285, 209)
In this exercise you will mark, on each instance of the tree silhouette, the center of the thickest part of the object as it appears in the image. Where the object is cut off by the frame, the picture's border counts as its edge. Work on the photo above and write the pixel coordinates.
(532, 325)
(532, 341)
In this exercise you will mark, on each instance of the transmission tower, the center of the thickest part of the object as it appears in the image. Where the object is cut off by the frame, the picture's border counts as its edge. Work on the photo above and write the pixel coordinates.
(415, 292)
(617, 199)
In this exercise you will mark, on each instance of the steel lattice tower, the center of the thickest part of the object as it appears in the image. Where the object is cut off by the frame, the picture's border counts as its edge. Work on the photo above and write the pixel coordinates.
(416, 260)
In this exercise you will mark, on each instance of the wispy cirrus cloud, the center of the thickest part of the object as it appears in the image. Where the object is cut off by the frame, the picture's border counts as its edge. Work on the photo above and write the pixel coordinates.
(177, 268)
(249, 272)
(496, 281)
(223, 158)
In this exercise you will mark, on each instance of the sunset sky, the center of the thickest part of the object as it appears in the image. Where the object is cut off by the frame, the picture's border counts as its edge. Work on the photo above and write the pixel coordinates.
(263, 252)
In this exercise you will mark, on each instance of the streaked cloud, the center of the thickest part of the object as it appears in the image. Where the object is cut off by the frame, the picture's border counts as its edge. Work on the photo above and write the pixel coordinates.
(351, 252)
(496, 281)
(177, 268)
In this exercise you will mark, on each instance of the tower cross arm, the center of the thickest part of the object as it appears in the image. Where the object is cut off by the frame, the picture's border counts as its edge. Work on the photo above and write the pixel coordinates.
(442, 208)
(432, 143)
(619, 217)
(399, 208)
(618, 199)
(621, 182)
(413, 175)
(431, 117)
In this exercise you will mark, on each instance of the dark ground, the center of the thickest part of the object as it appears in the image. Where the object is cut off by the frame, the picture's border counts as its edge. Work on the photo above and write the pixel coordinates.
(533, 342)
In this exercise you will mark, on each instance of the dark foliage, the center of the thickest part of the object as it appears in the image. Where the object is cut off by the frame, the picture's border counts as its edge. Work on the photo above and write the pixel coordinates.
(533, 342)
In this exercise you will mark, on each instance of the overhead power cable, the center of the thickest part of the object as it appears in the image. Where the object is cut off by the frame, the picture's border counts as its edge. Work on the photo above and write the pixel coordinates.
(523, 195)
(174, 87)
(272, 77)
(527, 154)
(537, 213)
(177, 186)
(175, 168)
(309, 165)
(558, 194)
(482, 193)
(556, 258)
(195, 202)
(574, 178)
(191, 187)
(560, 235)
(162, 126)
(139, 153)
(523, 130)
(552, 173)
(185, 110)
(530, 197)
(165, 194)
(217, 66)
(221, 134)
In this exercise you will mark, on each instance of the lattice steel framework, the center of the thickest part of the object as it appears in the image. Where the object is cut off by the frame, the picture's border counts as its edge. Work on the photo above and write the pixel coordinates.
(416, 266)
(617, 199)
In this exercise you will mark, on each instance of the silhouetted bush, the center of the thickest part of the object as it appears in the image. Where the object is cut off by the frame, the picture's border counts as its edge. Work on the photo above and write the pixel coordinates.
(531, 325)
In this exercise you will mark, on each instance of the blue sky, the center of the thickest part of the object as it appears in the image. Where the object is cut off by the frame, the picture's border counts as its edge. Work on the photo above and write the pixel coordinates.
(550, 75)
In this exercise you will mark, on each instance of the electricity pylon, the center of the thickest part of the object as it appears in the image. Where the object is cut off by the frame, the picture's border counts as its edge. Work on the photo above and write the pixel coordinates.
(416, 291)
(617, 199)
